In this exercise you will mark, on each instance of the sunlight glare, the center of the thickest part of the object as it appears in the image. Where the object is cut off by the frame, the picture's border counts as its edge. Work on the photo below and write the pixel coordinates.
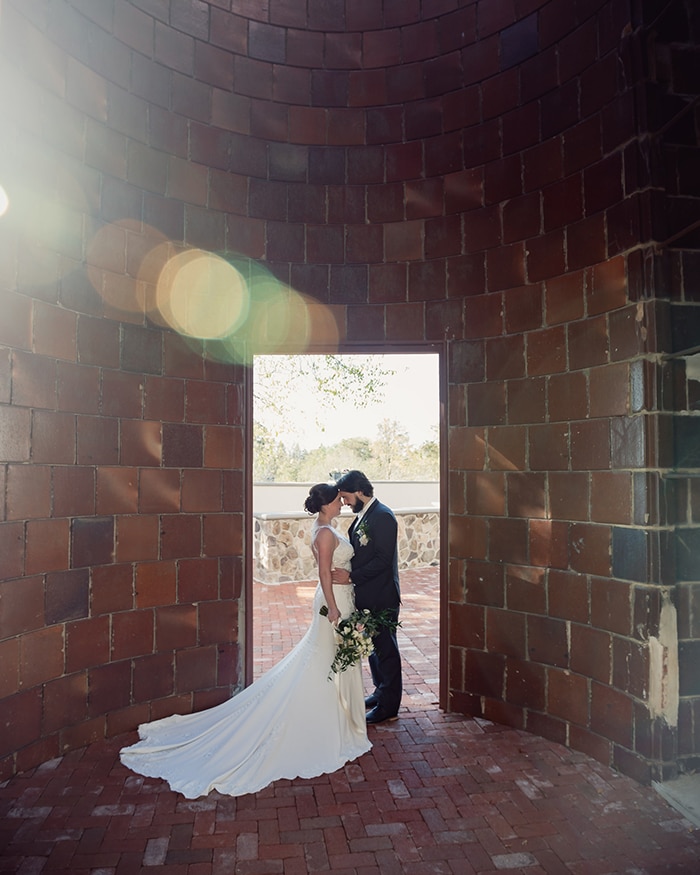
(202, 295)
(4, 201)
(283, 320)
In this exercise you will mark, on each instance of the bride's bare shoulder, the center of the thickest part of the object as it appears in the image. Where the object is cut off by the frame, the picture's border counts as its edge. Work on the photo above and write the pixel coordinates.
(322, 532)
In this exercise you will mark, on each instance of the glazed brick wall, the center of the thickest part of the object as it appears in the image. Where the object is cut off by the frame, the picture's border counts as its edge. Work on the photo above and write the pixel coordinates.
(121, 520)
(461, 174)
(117, 530)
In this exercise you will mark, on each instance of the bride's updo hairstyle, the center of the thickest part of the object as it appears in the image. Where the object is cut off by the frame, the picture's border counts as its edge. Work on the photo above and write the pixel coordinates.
(320, 494)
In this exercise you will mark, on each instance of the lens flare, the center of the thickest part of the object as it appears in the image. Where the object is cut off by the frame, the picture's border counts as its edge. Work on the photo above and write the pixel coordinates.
(283, 320)
(223, 305)
(202, 295)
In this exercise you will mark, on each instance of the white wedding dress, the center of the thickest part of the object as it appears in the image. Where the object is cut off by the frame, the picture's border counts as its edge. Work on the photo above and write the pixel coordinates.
(292, 722)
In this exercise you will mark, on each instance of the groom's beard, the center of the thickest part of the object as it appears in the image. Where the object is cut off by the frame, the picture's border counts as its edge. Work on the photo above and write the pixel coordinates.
(357, 507)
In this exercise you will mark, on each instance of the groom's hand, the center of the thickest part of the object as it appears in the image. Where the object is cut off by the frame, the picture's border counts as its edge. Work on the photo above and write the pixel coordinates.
(340, 576)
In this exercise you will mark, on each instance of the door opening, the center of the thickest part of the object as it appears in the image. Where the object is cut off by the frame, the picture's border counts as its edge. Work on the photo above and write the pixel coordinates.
(312, 417)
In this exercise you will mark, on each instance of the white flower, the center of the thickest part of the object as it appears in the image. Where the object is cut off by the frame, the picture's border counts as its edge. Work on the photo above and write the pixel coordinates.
(362, 534)
(355, 634)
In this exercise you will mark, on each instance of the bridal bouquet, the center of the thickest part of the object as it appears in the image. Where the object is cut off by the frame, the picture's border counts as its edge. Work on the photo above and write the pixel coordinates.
(355, 634)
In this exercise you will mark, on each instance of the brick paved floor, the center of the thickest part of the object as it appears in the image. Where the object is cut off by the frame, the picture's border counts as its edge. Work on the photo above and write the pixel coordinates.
(282, 615)
(437, 794)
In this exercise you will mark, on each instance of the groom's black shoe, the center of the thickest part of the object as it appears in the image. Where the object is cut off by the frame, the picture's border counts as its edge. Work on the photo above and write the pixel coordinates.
(379, 715)
(371, 701)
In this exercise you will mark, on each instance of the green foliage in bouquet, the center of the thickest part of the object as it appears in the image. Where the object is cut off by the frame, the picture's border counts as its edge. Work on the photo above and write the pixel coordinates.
(355, 634)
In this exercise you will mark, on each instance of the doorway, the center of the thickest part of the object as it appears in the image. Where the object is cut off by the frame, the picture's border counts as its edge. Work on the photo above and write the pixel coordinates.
(302, 441)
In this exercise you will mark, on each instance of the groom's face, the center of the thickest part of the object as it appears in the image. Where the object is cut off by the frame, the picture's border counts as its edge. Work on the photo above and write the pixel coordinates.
(353, 500)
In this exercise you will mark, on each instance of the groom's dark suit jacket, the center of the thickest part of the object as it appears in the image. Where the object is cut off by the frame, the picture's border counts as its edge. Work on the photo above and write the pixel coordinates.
(375, 566)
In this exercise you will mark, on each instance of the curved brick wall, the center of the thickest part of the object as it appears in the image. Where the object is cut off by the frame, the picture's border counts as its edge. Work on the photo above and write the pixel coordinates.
(455, 174)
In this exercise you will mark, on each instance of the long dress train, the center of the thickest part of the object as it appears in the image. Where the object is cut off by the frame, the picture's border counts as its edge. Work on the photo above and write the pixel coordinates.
(292, 722)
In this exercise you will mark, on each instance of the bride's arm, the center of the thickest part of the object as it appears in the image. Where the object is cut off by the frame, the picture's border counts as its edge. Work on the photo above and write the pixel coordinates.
(325, 544)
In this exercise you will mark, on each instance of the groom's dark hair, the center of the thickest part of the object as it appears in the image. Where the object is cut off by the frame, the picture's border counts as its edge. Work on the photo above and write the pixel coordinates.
(355, 481)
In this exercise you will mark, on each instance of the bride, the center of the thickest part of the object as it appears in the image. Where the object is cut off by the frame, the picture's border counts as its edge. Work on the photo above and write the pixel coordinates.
(293, 721)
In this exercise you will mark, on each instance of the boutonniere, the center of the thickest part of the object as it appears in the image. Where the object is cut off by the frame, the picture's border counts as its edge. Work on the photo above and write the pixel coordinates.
(362, 534)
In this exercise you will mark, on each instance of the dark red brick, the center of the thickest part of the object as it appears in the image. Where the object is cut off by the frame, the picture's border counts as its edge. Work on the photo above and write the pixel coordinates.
(154, 677)
(486, 673)
(508, 541)
(159, 491)
(591, 653)
(549, 543)
(47, 546)
(486, 493)
(545, 256)
(588, 342)
(611, 497)
(34, 381)
(507, 451)
(42, 656)
(568, 397)
(610, 389)
(568, 696)
(547, 641)
(568, 495)
(549, 447)
(28, 492)
(590, 549)
(525, 684)
(525, 590)
(486, 404)
(505, 633)
(611, 714)
(176, 628)
(505, 267)
(590, 445)
(92, 541)
(87, 644)
(546, 351)
(195, 669)
(468, 537)
(527, 400)
(611, 606)
(564, 298)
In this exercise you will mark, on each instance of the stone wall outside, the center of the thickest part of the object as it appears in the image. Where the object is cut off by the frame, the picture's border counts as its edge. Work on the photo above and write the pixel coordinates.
(282, 544)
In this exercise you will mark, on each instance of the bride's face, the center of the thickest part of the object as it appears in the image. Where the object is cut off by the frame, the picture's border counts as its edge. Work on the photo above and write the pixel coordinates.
(332, 509)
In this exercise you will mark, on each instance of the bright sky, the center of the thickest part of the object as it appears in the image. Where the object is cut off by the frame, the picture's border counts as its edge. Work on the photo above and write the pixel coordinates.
(411, 397)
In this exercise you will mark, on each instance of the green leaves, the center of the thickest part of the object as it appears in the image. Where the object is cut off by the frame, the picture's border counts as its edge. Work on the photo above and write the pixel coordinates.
(355, 634)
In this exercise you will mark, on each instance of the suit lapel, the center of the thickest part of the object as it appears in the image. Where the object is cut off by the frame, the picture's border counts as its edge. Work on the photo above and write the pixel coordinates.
(351, 530)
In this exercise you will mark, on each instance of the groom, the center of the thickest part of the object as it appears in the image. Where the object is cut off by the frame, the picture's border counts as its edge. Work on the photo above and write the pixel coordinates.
(375, 577)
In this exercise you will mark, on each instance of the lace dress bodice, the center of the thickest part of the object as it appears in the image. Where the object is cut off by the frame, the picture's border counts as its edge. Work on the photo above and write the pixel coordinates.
(343, 552)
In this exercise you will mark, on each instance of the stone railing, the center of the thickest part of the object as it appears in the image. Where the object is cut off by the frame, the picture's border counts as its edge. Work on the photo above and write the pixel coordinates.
(282, 543)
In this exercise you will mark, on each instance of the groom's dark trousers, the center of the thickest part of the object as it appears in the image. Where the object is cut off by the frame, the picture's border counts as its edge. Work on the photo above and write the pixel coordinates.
(375, 577)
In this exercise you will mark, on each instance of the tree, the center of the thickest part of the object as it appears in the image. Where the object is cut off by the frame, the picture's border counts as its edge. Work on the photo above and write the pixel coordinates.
(291, 389)
(269, 454)
(328, 377)
(391, 448)
(389, 457)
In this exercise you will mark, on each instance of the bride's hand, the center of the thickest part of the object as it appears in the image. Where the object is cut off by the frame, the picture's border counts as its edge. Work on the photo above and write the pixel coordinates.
(333, 616)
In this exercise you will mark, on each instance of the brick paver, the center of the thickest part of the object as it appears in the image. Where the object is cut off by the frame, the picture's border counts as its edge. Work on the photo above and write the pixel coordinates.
(437, 794)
